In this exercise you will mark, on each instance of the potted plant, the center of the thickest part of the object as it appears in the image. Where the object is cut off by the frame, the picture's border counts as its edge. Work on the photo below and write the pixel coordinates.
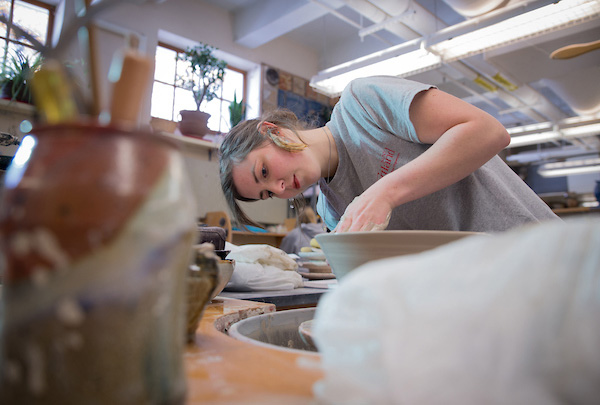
(237, 111)
(15, 75)
(203, 77)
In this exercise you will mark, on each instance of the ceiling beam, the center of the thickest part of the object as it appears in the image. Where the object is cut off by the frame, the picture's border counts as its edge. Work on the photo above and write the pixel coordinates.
(265, 20)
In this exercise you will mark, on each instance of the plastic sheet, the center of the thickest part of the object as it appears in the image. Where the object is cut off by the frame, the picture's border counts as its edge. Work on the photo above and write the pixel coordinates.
(508, 319)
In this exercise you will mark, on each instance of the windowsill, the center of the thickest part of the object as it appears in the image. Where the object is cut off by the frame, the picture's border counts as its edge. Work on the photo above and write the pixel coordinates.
(16, 106)
(190, 144)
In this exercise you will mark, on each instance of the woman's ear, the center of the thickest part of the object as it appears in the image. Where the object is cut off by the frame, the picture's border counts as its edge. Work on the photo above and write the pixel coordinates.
(264, 126)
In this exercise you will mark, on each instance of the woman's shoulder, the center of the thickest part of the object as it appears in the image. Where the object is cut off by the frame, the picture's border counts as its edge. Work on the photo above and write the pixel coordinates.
(382, 82)
(375, 88)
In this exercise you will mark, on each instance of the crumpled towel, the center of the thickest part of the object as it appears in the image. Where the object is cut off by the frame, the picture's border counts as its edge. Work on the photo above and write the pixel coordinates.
(262, 254)
(262, 268)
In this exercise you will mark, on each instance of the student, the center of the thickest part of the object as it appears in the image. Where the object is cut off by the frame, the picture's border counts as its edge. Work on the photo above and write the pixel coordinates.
(301, 235)
(396, 154)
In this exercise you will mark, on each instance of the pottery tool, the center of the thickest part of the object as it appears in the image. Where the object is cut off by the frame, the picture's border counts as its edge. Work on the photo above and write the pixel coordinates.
(130, 88)
(93, 62)
(87, 40)
(573, 50)
(52, 93)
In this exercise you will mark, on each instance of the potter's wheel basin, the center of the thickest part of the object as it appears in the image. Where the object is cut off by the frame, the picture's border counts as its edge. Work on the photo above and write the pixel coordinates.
(276, 330)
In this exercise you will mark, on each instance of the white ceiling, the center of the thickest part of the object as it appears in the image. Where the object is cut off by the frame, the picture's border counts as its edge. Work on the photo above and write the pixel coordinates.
(548, 90)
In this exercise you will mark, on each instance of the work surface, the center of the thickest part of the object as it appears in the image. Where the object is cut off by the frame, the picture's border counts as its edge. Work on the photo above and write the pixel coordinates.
(221, 369)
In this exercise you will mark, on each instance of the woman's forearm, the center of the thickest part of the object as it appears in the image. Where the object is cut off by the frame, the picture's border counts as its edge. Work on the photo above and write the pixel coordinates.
(458, 152)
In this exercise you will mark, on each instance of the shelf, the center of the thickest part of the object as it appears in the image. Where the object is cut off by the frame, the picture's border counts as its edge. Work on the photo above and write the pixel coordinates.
(191, 142)
(16, 106)
(268, 238)
(576, 210)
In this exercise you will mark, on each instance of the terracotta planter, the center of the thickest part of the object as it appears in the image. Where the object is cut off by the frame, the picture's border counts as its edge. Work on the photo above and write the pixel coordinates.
(96, 228)
(194, 123)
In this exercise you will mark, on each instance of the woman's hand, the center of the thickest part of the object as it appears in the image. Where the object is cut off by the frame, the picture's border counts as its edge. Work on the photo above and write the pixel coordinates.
(370, 211)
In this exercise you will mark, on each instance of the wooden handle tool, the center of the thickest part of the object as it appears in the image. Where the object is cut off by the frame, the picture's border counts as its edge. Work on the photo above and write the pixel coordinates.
(571, 51)
(131, 88)
(52, 93)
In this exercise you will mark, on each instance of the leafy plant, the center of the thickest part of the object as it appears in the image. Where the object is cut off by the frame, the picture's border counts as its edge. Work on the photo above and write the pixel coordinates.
(204, 74)
(237, 111)
(15, 76)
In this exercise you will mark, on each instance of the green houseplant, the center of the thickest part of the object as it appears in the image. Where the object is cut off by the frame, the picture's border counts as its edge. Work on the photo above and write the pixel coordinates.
(203, 77)
(237, 111)
(16, 73)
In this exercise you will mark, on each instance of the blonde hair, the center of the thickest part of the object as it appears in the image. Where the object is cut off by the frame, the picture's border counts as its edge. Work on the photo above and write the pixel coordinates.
(307, 216)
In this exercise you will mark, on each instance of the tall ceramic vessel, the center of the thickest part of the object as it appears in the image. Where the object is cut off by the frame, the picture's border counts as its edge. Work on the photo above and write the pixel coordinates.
(96, 228)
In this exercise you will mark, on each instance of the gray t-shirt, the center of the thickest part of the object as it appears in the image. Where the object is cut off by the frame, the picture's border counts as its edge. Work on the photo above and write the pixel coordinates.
(374, 136)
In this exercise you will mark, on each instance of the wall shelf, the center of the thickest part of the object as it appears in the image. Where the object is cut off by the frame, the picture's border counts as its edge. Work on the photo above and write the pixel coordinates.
(191, 142)
(192, 145)
(16, 106)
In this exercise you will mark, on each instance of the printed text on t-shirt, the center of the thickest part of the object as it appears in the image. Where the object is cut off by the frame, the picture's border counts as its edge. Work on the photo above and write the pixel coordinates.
(389, 158)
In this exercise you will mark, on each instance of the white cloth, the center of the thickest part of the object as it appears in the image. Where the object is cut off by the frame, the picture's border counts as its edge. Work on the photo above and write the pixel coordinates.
(510, 319)
(262, 268)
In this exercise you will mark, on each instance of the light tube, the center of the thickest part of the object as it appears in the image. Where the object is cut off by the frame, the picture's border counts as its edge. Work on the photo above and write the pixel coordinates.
(583, 130)
(402, 65)
(532, 139)
(568, 171)
(570, 167)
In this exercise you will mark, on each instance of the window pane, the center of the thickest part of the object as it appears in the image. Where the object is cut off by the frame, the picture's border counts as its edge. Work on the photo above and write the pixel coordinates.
(162, 101)
(32, 19)
(182, 68)
(4, 9)
(225, 122)
(29, 53)
(184, 100)
(214, 109)
(165, 65)
(234, 82)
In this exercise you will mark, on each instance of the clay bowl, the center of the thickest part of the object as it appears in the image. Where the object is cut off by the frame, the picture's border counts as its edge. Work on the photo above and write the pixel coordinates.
(204, 283)
(201, 282)
(225, 271)
(347, 251)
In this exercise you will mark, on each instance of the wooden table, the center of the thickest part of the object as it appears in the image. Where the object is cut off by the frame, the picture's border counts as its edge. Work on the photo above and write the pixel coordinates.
(245, 238)
(221, 369)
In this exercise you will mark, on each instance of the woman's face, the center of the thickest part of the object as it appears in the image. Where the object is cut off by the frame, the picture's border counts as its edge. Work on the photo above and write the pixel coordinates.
(271, 171)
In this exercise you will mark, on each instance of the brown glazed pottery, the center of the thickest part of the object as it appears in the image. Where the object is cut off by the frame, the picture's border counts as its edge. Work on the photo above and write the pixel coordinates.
(96, 230)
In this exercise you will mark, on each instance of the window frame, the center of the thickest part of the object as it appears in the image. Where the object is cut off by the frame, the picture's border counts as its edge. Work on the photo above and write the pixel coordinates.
(7, 40)
(175, 86)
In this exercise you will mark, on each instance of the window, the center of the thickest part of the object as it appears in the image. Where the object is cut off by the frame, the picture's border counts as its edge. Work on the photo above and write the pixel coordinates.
(168, 98)
(33, 16)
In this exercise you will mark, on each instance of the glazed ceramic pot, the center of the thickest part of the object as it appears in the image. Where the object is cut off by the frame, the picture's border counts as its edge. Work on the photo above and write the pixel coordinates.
(96, 227)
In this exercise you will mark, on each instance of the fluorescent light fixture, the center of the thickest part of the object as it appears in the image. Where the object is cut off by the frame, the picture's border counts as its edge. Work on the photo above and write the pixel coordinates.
(511, 24)
(532, 139)
(548, 132)
(540, 126)
(570, 167)
(583, 130)
(332, 83)
(543, 20)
